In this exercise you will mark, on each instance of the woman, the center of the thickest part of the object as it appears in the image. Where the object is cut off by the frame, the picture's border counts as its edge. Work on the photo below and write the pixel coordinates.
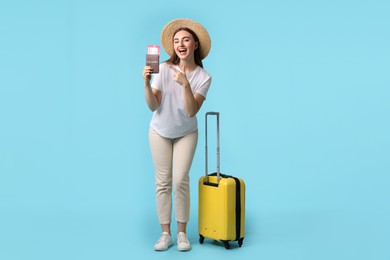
(175, 96)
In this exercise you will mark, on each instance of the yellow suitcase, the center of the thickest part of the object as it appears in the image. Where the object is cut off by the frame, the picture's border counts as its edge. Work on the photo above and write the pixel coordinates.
(221, 203)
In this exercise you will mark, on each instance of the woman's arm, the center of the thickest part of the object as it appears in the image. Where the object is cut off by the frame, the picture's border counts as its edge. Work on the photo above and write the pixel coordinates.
(152, 96)
(192, 102)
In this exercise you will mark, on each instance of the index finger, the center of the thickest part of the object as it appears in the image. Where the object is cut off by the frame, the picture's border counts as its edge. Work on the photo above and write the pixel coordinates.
(174, 69)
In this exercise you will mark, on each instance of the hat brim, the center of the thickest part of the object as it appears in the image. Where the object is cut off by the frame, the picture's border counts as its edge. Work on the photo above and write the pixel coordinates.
(171, 27)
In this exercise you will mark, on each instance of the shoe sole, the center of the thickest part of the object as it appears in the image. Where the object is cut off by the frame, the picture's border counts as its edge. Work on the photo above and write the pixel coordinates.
(183, 249)
(163, 249)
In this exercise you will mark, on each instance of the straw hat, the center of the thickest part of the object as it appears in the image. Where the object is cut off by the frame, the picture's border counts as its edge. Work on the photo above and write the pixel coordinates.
(171, 27)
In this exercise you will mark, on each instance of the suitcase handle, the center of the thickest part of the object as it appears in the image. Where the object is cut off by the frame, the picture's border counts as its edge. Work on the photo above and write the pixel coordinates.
(218, 147)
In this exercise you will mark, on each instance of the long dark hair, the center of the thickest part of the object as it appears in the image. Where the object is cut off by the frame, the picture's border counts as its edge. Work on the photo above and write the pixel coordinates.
(174, 59)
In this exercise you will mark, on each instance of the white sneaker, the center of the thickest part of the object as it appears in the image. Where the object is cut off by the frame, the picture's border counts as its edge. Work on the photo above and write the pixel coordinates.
(164, 242)
(182, 242)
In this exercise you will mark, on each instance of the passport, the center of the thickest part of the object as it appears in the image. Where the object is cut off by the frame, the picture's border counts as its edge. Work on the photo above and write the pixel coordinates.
(153, 57)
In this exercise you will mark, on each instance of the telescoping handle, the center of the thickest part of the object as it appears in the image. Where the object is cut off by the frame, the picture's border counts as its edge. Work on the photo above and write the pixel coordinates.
(218, 147)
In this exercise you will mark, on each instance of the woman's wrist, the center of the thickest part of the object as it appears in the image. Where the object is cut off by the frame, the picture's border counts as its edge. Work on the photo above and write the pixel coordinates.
(187, 85)
(147, 83)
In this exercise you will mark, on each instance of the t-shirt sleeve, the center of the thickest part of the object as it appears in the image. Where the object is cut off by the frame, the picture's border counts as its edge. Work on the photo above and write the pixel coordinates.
(204, 88)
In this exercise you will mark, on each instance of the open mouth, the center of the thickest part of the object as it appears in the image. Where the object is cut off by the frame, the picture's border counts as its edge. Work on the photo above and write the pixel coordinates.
(182, 51)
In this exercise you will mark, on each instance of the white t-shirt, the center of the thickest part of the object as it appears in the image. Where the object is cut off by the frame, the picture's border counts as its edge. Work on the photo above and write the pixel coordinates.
(170, 120)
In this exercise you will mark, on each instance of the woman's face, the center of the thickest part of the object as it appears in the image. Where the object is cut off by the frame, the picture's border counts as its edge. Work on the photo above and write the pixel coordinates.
(184, 45)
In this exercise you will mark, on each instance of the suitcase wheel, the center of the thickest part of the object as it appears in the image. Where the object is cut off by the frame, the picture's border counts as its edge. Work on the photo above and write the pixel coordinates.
(201, 239)
(226, 244)
(240, 241)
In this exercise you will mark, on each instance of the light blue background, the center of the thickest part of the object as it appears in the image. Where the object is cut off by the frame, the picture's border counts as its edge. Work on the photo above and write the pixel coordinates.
(303, 91)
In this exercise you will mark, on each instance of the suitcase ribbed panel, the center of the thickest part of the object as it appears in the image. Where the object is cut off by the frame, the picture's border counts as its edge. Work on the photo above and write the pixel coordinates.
(217, 209)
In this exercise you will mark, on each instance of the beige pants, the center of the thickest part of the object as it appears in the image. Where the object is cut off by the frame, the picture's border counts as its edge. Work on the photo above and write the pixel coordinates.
(172, 162)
